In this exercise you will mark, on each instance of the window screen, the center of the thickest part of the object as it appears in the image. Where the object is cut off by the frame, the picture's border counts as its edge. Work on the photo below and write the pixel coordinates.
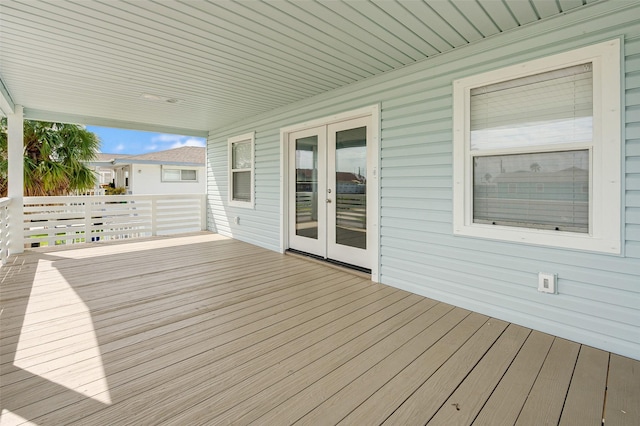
(539, 190)
(242, 186)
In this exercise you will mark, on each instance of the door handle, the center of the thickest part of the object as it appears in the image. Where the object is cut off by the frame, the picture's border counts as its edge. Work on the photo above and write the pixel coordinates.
(328, 200)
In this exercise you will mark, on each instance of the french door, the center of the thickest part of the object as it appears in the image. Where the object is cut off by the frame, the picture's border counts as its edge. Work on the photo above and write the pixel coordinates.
(328, 179)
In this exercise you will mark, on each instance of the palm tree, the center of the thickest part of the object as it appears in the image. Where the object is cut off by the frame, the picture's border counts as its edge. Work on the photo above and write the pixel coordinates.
(54, 156)
(535, 167)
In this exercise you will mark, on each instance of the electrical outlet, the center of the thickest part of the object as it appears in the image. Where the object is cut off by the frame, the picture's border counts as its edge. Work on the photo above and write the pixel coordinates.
(547, 283)
(236, 220)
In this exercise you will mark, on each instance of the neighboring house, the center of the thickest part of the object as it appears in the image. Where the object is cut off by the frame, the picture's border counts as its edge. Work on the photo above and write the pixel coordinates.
(103, 166)
(347, 182)
(174, 171)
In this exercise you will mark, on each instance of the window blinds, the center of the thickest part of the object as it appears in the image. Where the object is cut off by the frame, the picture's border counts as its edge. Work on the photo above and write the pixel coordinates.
(551, 108)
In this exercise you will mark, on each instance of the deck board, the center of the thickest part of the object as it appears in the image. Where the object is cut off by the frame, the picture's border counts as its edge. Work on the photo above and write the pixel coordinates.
(465, 403)
(585, 399)
(546, 399)
(623, 390)
(304, 400)
(425, 402)
(183, 330)
(338, 405)
(396, 391)
(246, 401)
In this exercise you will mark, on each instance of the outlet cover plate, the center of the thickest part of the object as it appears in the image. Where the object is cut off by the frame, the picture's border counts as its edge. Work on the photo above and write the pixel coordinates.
(547, 283)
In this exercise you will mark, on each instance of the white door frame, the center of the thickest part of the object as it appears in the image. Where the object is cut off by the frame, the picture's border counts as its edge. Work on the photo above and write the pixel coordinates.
(373, 191)
(318, 245)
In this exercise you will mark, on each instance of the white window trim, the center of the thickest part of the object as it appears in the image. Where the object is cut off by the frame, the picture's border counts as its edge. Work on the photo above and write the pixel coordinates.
(162, 178)
(605, 171)
(250, 137)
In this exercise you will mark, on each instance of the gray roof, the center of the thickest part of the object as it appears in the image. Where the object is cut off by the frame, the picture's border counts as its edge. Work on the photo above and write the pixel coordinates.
(185, 154)
(102, 157)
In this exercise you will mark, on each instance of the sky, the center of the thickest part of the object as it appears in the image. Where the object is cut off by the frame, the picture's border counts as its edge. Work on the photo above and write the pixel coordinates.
(121, 141)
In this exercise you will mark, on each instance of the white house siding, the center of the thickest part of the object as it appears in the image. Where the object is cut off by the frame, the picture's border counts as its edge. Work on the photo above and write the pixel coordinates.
(599, 295)
(147, 179)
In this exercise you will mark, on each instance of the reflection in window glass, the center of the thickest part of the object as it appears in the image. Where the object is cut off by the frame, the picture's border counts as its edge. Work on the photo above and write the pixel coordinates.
(307, 187)
(538, 190)
(351, 185)
(241, 155)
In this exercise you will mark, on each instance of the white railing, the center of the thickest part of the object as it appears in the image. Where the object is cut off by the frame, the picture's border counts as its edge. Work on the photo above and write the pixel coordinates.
(91, 192)
(78, 219)
(4, 229)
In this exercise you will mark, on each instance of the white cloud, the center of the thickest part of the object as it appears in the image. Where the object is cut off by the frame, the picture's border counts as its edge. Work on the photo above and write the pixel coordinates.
(188, 142)
(150, 148)
(119, 148)
(175, 141)
(165, 137)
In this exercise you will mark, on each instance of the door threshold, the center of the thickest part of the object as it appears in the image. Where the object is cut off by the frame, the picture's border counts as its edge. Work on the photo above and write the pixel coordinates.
(346, 267)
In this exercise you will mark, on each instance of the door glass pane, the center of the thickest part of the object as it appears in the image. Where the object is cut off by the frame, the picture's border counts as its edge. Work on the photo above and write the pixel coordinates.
(548, 190)
(307, 187)
(351, 185)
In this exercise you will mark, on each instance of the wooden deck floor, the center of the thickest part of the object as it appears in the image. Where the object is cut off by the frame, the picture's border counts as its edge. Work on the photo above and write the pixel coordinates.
(201, 329)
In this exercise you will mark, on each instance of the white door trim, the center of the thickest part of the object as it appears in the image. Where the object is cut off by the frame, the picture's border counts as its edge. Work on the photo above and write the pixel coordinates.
(373, 199)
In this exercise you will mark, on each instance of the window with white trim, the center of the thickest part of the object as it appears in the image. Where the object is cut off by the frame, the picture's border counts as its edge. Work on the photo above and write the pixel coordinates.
(241, 170)
(537, 151)
(179, 175)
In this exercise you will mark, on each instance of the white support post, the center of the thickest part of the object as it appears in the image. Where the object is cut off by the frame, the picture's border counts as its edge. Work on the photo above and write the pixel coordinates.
(3, 234)
(15, 191)
(154, 214)
(203, 212)
(88, 222)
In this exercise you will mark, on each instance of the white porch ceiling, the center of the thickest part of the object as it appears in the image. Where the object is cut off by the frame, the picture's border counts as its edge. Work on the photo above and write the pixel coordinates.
(90, 61)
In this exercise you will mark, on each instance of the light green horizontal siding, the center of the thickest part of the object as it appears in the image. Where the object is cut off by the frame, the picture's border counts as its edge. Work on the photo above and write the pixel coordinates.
(599, 299)
(632, 131)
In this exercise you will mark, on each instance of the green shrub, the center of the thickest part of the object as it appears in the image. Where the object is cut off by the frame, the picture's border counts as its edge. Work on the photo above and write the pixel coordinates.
(116, 191)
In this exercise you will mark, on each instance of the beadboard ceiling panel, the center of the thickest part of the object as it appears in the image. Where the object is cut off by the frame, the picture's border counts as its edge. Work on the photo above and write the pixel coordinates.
(207, 64)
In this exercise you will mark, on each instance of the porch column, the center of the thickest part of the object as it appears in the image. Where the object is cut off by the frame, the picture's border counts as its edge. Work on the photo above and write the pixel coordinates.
(15, 178)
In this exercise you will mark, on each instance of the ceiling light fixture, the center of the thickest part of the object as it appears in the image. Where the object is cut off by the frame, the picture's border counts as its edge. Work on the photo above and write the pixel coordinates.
(157, 98)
